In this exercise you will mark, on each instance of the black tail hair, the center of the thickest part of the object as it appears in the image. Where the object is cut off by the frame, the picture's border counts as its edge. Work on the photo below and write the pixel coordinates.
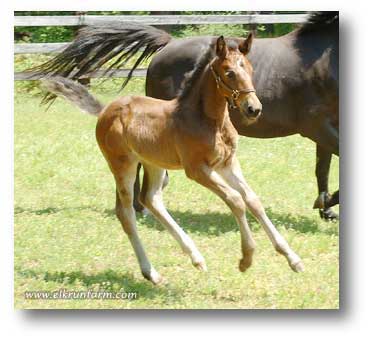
(320, 21)
(94, 46)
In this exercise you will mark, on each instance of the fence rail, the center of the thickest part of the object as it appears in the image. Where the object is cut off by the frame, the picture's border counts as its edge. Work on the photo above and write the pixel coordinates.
(79, 20)
(39, 48)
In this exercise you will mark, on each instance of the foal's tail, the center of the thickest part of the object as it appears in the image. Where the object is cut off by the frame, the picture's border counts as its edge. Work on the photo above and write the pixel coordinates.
(95, 46)
(74, 92)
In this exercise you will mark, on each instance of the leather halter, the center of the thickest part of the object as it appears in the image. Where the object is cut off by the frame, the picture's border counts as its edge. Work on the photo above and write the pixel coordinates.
(234, 93)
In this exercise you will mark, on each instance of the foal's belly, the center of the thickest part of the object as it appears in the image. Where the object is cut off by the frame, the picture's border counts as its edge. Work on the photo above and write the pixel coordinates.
(153, 145)
(164, 160)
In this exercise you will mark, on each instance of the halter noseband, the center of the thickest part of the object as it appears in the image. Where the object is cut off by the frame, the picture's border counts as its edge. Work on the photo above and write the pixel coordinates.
(234, 93)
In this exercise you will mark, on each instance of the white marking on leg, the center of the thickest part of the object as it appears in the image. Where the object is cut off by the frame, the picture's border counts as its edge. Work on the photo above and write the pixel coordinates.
(213, 181)
(127, 216)
(154, 202)
(234, 176)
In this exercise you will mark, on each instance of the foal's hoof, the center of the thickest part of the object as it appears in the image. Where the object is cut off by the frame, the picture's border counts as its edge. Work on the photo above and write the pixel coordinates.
(244, 264)
(201, 266)
(298, 267)
(153, 276)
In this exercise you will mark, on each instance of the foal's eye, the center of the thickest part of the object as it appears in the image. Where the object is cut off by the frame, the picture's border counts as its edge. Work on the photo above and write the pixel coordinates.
(230, 74)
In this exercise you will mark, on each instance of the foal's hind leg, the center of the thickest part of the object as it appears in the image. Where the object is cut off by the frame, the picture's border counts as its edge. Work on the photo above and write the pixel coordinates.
(125, 175)
(233, 176)
(151, 197)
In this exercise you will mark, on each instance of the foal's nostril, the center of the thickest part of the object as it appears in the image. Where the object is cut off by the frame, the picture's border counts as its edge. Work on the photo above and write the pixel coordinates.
(257, 111)
(254, 111)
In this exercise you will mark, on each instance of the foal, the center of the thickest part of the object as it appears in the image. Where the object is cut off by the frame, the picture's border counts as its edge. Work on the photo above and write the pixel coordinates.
(192, 132)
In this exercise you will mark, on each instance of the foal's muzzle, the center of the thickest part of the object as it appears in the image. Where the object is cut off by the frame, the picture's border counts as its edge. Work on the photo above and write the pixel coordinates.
(253, 112)
(251, 109)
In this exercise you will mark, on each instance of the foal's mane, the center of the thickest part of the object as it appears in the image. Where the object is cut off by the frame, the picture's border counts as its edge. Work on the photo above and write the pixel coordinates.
(320, 20)
(191, 79)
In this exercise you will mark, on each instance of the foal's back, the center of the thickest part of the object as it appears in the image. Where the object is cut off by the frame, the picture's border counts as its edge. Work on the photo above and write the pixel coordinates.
(141, 127)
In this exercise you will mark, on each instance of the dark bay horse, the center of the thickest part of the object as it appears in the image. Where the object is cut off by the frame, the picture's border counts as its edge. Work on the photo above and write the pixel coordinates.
(296, 78)
(191, 132)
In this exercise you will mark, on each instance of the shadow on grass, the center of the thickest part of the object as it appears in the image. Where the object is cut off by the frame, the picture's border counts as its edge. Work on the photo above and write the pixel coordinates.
(53, 210)
(108, 280)
(210, 223)
(215, 223)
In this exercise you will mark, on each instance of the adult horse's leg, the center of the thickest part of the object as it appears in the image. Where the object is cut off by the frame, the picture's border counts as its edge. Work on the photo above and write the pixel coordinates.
(234, 177)
(125, 176)
(323, 162)
(326, 137)
(151, 197)
(137, 189)
(213, 181)
(334, 199)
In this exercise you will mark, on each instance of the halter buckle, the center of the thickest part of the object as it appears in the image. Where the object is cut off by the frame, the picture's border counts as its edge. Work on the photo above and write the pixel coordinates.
(235, 94)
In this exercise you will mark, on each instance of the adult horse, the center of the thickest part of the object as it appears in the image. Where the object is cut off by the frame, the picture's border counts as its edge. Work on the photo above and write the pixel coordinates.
(191, 132)
(296, 77)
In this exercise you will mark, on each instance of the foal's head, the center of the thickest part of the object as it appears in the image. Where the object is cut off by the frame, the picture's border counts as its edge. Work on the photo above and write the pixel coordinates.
(233, 73)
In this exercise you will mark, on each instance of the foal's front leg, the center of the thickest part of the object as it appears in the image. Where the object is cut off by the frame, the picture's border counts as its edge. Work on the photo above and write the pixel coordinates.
(209, 178)
(233, 175)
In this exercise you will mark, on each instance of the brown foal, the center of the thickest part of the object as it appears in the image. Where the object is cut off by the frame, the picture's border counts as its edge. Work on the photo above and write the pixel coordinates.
(192, 132)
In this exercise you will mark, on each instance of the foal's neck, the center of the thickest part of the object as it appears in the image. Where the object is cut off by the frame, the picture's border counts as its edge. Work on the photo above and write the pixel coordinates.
(214, 104)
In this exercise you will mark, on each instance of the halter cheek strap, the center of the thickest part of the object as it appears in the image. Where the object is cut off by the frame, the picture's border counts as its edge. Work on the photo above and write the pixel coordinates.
(234, 93)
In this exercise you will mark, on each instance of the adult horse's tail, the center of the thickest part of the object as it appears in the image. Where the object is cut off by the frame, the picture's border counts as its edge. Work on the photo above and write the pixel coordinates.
(74, 92)
(95, 46)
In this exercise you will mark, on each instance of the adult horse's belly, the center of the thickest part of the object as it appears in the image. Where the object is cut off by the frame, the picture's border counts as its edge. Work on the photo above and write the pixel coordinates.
(263, 127)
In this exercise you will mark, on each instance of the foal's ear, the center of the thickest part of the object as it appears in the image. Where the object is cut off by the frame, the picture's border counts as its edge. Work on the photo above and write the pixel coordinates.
(246, 45)
(221, 48)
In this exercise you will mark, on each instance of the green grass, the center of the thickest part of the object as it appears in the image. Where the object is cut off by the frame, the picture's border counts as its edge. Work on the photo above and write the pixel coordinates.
(67, 236)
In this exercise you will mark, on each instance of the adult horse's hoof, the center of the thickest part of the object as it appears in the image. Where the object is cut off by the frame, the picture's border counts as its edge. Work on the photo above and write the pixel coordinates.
(322, 203)
(144, 212)
(137, 206)
(328, 214)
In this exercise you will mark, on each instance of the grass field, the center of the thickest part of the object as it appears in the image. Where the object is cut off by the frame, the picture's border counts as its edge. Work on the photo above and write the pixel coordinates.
(67, 236)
